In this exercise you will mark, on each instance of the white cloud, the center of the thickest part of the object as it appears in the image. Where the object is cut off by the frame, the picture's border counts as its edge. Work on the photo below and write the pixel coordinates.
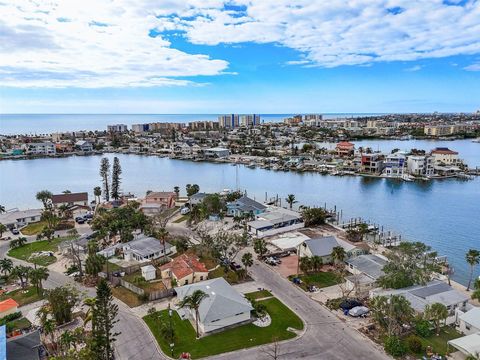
(472, 67)
(102, 43)
(91, 44)
(414, 68)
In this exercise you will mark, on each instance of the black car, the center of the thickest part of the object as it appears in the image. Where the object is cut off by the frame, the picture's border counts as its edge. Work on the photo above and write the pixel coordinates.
(80, 221)
(348, 304)
(235, 266)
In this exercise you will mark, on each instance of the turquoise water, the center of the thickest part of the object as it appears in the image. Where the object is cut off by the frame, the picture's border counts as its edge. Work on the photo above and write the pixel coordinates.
(444, 214)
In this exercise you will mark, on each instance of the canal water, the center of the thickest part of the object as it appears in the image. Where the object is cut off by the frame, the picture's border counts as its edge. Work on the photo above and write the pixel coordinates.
(443, 213)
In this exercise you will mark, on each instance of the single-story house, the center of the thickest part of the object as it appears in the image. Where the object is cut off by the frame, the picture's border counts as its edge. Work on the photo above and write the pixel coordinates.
(323, 247)
(469, 322)
(149, 272)
(275, 221)
(245, 206)
(8, 307)
(185, 269)
(468, 345)
(20, 218)
(365, 270)
(216, 152)
(146, 248)
(223, 308)
(26, 347)
(197, 198)
(435, 291)
(72, 199)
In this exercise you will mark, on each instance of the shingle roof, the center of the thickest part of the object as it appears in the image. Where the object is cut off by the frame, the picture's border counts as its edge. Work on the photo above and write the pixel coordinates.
(24, 347)
(66, 198)
(223, 300)
(370, 265)
(323, 246)
(244, 203)
(145, 245)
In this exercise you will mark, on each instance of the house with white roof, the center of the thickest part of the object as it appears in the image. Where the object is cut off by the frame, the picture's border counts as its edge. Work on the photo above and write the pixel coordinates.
(323, 247)
(223, 308)
(19, 218)
(469, 322)
(275, 221)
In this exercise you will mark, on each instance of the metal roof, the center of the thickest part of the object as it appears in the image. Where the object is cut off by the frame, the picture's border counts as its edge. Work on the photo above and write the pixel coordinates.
(323, 246)
(370, 265)
(472, 317)
(223, 300)
(146, 245)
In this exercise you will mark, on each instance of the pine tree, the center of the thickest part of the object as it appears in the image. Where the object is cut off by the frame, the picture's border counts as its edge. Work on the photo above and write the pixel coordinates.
(116, 171)
(103, 320)
(104, 173)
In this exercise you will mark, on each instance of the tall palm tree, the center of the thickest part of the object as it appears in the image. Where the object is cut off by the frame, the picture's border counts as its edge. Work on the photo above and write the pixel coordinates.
(338, 254)
(6, 266)
(247, 260)
(162, 235)
(316, 262)
(3, 228)
(193, 302)
(306, 264)
(473, 258)
(176, 190)
(37, 275)
(97, 191)
(290, 199)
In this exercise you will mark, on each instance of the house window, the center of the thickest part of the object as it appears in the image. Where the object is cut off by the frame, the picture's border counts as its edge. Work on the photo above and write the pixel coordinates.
(201, 278)
(186, 282)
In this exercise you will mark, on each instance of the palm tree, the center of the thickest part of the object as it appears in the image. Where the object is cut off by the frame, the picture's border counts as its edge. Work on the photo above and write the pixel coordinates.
(436, 313)
(176, 190)
(97, 191)
(193, 302)
(290, 199)
(6, 266)
(22, 273)
(44, 196)
(316, 262)
(473, 259)
(305, 264)
(3, 228)
(162, 235)
(37, 275)
(247, 260)
(338, 254)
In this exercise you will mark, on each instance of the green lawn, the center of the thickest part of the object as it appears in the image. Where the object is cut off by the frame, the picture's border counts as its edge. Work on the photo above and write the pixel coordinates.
(22, 297)
(24, 252)
(181, 219)
(19, 324)
(320, 279)
(259, 294)
(439, 343)
(33, 228)
(241, 337)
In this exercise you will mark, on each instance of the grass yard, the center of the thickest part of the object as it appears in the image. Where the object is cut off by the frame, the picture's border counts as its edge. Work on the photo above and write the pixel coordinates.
(320, 279)
(23, 297)
(259, 294)
(24, 252)
(181, 219)
(33, 228)
(439, 343)
(241, 337)
(231, 276)
(19, 324)
(127, 296)
(143, 284)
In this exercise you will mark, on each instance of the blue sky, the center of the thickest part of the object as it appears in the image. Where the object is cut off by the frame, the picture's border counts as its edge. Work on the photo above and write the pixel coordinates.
(212, 57)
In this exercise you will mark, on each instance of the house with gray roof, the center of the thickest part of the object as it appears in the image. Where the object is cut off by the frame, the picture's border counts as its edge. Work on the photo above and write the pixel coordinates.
(435, 291)
(275, 220)
(245, 206)
(223, 308)
(365, 270)
(323, 247)
(26, 347)
(19, 218)
(146, 248)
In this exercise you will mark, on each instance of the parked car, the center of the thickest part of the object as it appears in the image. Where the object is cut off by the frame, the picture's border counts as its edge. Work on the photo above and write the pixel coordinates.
(15, 231)
(234, 266)
(296, 280)
(80, 220)
(313, 289)
(184, 211)
(348, 304)
(88, 216)
(358, 311)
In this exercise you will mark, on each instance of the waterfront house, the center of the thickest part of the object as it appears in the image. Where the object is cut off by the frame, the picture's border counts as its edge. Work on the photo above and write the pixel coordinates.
(420, 165)
(185, 269)
(445, 156)
(216, 153)
(345, 148)
(394, 165)
(372, 163)
(71, 199)
(25, 347)
(63, 147)
(222, 309)
(8, 307)
(146, 248)
(435, 291)
(20, 218)
(244, 206)
(158, 201)
(275, 221)
(41, 148)
(323, 247)
(365, 270)
(468, 322)
(468, 345)
(84, 146)
(197, 198)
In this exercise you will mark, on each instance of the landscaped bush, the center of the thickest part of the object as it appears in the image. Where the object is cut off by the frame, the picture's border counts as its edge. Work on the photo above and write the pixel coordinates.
(414, 344)
(395, 346)
(10, 317)
(422, 328)
(334, 304)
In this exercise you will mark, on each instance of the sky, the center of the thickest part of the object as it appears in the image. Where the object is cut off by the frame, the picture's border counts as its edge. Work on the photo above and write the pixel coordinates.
(256, 56)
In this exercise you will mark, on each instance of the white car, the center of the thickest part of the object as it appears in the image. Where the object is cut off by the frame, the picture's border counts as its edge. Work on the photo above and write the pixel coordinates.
(184, 211)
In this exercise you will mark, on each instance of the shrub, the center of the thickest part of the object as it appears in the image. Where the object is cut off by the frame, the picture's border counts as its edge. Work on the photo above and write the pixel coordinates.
(414, 344)
(10, 317)
(422, 328)
(394, 346)
(334, 304)
(143, 297)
